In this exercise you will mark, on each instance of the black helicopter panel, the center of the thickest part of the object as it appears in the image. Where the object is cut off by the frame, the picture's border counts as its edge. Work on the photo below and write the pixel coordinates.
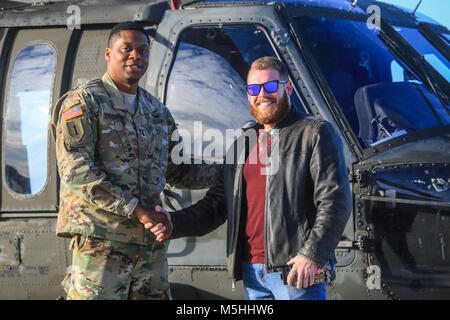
(384, 87)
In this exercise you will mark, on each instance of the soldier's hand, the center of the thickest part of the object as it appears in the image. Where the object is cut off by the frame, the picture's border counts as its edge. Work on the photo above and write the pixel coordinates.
(302, 272)
(151, 217)
(143, 214)
(160, 230)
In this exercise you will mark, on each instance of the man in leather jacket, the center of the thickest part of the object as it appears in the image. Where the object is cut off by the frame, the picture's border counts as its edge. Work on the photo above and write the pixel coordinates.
(287, 210)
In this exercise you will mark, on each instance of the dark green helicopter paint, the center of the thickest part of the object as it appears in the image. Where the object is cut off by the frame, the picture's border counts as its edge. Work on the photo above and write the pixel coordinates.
(395, 243)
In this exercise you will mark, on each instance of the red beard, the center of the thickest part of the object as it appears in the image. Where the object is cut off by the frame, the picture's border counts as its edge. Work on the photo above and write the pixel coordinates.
(273, 115)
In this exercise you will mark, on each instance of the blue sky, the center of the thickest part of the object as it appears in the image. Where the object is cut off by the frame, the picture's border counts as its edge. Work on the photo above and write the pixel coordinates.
(438, 10)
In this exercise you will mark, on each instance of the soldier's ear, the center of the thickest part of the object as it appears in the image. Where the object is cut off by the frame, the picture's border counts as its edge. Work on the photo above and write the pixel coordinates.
(108, 54)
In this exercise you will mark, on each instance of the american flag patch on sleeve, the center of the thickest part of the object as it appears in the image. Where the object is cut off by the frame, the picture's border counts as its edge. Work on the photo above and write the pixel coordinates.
(73, 112)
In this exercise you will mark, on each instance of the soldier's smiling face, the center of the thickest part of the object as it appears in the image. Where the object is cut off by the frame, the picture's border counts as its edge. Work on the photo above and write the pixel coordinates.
(127, 58)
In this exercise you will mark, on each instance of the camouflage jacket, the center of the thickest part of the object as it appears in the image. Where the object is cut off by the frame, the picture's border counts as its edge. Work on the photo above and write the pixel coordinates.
(111, 157)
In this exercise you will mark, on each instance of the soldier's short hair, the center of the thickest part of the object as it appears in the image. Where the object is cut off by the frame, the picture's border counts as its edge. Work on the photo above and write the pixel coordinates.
(127, 25)
(264, 63)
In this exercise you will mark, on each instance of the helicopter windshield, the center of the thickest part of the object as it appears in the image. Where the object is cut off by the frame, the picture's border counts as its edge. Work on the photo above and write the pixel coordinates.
(381, 97)
(430, 53)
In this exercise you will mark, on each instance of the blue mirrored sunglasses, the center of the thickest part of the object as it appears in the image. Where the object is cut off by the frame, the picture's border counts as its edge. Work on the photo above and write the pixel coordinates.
(269, 87)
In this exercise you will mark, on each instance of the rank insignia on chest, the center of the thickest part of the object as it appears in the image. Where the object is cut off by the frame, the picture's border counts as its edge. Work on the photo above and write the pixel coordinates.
(73, 112)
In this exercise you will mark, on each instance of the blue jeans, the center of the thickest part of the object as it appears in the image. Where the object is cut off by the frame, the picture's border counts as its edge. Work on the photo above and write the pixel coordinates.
(260, 285)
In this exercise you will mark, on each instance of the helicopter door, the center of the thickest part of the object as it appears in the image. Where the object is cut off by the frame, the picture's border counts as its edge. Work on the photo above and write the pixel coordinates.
(205, 91)
(206, 95)
(31, 256)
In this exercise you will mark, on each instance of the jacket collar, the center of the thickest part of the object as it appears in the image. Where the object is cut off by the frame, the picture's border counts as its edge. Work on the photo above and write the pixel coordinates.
(118, 100)
(288, 119)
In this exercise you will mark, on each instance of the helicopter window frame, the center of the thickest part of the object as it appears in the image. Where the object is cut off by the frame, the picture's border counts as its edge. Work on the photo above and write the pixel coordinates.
(299, 102)
(445, 37)
(3, 34)
(296, 98)
(295, 12)
(52, 51)
(65, 44)
(302, 105)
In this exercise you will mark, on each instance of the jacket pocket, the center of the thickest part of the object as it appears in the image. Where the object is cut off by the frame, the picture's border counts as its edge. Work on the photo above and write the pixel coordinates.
(120, 136)
(112, 141)
(158, 142)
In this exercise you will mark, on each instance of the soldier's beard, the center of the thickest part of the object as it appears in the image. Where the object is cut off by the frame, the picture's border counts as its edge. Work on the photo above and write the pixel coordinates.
(272, 115)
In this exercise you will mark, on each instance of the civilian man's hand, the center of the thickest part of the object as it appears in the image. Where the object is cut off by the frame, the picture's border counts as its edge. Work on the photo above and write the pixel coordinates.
(160, 230)
(302, 272)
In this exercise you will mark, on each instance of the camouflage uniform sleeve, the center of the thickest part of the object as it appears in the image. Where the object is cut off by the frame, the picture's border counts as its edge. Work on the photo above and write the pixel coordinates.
(189, 176)
(75, 133)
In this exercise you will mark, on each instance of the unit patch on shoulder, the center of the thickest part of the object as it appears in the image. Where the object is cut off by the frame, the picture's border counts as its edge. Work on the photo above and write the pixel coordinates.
(73, 112)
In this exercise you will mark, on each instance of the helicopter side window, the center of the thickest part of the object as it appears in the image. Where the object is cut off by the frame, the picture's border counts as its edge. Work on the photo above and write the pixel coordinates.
(206, 87)
(27, 113)
(380, 97)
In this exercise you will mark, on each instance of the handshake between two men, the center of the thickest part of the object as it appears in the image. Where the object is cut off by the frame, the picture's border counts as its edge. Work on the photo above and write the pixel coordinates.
(158, 221)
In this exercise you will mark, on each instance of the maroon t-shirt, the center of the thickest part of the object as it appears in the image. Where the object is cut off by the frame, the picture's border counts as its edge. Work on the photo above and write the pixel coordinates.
(255, 179)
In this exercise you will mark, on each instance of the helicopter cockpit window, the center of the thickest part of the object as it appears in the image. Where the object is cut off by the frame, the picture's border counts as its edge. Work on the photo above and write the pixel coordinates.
(380, 97)
(27, 113)
(206, 88)
(430, 53)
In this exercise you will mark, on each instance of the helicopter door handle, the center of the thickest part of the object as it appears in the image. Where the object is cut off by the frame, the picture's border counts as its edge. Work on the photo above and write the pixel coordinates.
(363, 243)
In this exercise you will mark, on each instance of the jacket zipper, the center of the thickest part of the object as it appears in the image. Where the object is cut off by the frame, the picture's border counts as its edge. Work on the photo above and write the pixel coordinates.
(266, 201)
(238, 218)
(133, 121)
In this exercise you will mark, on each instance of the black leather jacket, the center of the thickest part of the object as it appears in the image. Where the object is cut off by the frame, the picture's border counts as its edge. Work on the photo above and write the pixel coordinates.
(308, 198)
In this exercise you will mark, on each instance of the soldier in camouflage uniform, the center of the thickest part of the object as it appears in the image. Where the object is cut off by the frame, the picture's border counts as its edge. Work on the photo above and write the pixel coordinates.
(113, 161)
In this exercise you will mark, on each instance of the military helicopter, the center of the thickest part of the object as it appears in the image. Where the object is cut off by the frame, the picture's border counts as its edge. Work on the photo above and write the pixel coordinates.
(378, 73)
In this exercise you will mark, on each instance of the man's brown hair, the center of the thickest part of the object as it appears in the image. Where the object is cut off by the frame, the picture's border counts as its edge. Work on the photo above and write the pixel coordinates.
(264, 63)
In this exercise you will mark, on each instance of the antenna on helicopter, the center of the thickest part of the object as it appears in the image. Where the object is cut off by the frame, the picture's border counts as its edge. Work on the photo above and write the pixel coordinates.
(353, 5)
(414, 12)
